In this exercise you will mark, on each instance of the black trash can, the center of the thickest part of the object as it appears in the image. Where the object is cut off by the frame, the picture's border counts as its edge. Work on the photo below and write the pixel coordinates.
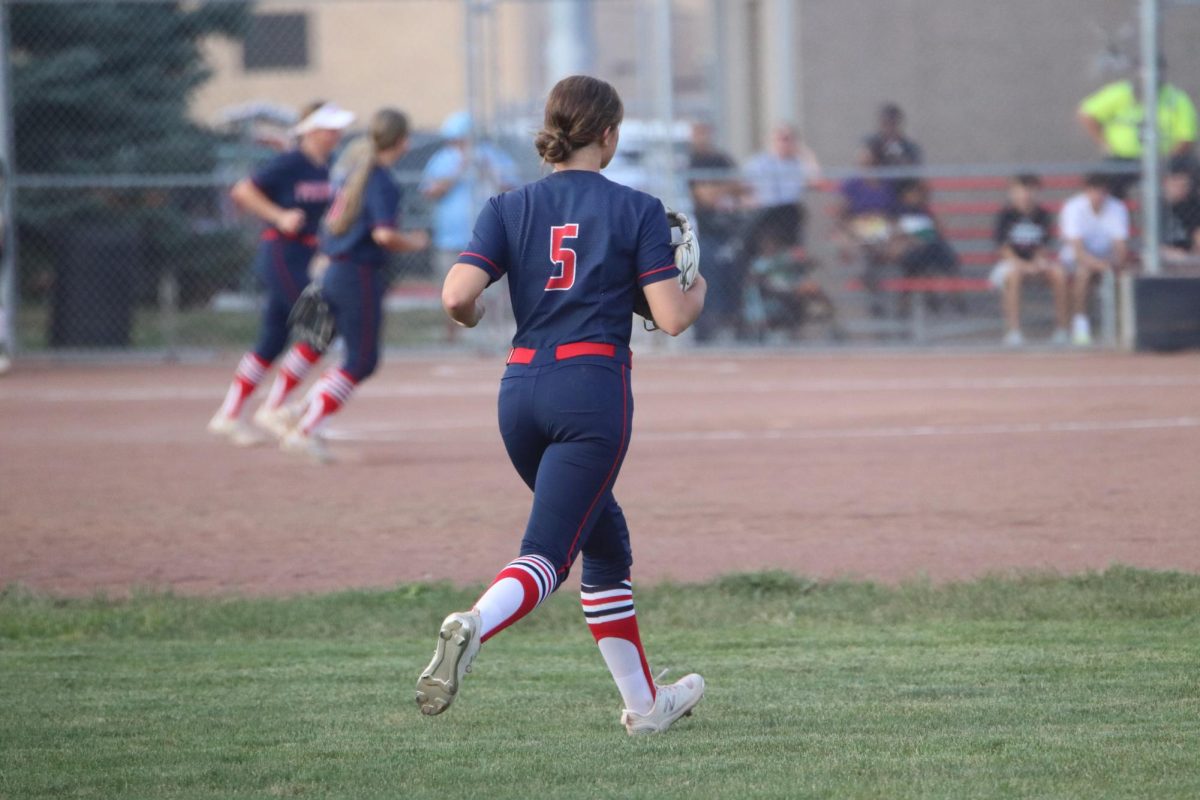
(93, 299)
(1168, 313)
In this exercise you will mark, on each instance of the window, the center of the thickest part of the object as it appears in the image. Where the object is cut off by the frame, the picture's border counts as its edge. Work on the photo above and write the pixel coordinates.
(276, 41)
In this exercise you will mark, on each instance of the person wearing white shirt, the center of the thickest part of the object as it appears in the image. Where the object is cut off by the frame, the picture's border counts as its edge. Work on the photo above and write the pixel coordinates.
(1094, 227)
(777, 179)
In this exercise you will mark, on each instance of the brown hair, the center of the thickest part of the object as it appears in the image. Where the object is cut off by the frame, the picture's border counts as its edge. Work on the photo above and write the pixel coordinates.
(1028, 180)
(578, 112)
(388, 127)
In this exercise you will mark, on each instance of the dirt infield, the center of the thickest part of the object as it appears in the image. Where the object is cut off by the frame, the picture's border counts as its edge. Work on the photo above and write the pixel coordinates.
(868, 466)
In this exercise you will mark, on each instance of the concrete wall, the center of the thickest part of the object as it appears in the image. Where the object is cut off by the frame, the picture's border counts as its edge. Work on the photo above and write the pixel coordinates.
(981, 80)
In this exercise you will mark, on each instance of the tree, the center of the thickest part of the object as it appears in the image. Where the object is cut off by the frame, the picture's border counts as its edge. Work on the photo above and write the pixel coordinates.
(103, 89)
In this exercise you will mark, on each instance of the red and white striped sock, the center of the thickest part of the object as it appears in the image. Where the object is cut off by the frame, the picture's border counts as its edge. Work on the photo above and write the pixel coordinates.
(296, 366)
(327, 397)
(249, 373)
(613, 622)
(518, 589)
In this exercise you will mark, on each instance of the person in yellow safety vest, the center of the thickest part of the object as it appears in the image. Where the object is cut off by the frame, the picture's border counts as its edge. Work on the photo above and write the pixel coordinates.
(1113, 118)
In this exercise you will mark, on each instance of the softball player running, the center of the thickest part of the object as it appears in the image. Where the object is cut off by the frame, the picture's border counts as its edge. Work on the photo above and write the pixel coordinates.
(358, 233)
(576, 248)
(290, 194)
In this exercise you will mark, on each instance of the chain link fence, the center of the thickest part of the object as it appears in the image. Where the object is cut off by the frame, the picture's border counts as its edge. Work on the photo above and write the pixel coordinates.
(771, 121)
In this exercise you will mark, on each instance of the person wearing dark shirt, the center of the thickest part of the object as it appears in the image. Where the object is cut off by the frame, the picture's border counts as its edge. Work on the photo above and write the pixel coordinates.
(578, 249)
(918, 244)
(1181, 220)
(1023, 233)
(289, 194)
(889, 147)
(716, 197)
(866, 217)
(357, 234)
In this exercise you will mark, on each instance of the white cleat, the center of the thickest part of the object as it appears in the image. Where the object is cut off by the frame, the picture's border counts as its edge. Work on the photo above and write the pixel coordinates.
(457, 646)
(309, 444)
(234, 430)
(1013, 339)
(670, 703)
(276, 421)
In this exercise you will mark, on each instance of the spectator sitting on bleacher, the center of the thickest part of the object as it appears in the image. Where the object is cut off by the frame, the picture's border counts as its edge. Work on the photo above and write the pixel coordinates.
(865, 221)
(1023, 232)
(1181, 222)
(778, 179)
(917, 243)
(1094, 227)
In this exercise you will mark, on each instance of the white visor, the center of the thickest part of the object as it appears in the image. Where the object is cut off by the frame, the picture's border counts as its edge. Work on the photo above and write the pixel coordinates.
(329, 117)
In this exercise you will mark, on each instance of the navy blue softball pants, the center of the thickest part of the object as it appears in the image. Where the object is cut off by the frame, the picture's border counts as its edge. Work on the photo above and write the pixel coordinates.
(354, 293)
(282, 267)
(566, 426)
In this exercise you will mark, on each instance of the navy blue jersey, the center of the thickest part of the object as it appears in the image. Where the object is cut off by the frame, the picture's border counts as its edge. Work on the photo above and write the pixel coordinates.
(290, 180)
(575, 247)
(381, 203)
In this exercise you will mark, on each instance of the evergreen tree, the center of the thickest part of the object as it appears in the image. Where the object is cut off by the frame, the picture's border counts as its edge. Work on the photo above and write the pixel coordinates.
(102, 89)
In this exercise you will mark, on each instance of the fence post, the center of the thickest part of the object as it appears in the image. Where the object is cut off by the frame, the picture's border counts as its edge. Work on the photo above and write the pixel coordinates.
(8, 231)
(1150, 138)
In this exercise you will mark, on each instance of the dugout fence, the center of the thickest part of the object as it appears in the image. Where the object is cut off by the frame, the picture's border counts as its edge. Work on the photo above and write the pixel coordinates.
(125, 122)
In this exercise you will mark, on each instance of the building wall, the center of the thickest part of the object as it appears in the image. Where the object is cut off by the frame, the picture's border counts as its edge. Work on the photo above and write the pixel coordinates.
(364, 55)
(981, 80)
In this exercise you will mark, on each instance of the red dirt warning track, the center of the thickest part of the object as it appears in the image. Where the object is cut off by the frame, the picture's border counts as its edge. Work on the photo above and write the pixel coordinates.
(867, 466)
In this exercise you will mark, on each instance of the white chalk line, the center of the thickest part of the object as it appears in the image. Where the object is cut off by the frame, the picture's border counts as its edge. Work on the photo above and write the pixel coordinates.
(381, 434)
(447, 389)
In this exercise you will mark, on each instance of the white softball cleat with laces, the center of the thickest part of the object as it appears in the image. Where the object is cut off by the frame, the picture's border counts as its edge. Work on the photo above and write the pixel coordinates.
(670, 703)
(457, 646)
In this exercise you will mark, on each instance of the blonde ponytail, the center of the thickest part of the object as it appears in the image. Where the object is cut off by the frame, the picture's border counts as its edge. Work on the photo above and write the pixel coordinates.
(388, 128)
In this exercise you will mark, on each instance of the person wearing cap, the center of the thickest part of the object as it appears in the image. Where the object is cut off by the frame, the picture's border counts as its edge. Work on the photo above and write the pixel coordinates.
(290, 194)
(457, 180)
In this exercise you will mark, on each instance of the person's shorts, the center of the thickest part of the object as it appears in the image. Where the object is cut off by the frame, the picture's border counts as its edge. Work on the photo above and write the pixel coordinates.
(999, 274)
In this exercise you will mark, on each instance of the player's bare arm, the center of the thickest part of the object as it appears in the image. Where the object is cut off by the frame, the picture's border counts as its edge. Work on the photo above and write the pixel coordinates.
(250, 198)
(674, 309)
(461, 292)
(400, 241)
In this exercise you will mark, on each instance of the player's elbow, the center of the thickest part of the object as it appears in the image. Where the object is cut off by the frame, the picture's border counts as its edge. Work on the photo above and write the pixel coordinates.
(456, 300)
(672, 325)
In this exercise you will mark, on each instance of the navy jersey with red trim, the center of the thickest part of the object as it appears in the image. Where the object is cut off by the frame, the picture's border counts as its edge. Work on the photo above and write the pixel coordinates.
(381, 204)
(575, 247)
(290, 180)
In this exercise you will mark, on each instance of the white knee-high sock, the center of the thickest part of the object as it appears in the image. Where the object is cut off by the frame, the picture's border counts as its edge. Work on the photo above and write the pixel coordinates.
(613, 622)
(519, 588)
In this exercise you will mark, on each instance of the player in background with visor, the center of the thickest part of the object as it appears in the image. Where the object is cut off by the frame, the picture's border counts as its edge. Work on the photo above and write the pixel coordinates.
(290, 193)
(357, 235)
(576, 248)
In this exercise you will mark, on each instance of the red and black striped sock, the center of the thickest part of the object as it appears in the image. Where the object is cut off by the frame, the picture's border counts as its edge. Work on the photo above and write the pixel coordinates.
(519, 588)
(613, 622)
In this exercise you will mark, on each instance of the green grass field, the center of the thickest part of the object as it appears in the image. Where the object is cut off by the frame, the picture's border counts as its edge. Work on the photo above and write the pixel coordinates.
(1036, 686)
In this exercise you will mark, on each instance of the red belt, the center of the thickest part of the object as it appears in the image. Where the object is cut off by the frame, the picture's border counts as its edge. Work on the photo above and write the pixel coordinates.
(525, 355)
(274, 235)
